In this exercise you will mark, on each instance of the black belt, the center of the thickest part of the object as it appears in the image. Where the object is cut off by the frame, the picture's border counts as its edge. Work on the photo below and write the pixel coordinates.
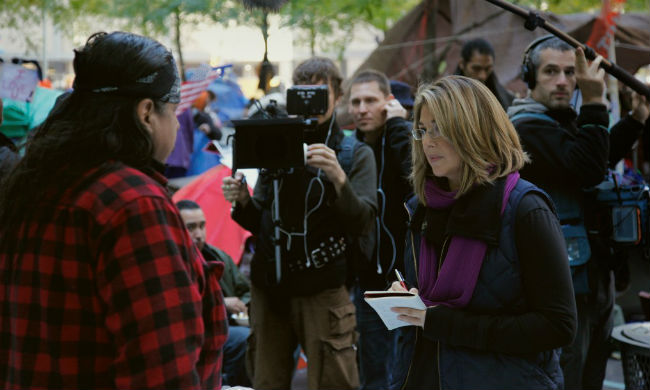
(328, 250)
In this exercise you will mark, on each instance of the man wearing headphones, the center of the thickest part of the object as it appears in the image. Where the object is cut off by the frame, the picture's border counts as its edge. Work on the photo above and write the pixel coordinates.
(379, 121)
(320, 207)
(569, 152)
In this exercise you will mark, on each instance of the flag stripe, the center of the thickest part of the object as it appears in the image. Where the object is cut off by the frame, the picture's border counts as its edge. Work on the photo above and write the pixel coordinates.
(191, 90)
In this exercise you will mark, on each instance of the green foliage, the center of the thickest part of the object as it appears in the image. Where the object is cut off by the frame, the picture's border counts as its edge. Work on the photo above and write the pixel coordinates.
(159, 15)
(21, 17)
(328, 25)
(14, 14)
(163, 16)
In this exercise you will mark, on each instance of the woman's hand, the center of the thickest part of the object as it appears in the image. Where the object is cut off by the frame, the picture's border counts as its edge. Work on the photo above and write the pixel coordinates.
(397, 286)
(412, 316)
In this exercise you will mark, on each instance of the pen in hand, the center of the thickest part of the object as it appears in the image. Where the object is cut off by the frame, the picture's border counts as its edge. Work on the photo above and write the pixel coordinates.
(400, 278)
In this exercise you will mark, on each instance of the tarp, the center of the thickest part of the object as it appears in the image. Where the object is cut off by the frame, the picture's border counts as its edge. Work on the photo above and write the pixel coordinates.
(230, 101)
(222, 231)
(20, 117)
(202, 158)
(433, 33)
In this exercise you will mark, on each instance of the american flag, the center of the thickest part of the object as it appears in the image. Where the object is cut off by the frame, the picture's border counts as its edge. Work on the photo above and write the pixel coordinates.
(198, 82)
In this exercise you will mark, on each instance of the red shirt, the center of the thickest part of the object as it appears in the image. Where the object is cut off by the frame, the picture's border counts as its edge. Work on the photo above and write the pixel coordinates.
(107, 290)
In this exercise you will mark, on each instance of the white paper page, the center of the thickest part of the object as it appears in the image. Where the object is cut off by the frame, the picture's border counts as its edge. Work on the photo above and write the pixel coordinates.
(382, 307)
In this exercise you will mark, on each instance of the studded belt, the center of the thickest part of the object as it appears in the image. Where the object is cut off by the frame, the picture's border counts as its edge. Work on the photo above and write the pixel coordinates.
(325, 252)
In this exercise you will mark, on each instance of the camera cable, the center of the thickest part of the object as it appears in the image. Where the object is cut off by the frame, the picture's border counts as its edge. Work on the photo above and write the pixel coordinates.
(313, 180)
(379, 220)
(307, 211)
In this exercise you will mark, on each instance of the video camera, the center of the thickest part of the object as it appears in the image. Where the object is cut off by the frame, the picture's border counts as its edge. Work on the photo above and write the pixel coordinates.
(277, 142)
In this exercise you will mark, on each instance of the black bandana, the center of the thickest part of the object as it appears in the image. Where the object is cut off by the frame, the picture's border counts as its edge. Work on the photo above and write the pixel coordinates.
(163, 84)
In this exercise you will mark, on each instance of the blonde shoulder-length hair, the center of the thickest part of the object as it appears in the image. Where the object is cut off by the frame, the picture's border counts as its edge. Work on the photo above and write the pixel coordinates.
(469, 117)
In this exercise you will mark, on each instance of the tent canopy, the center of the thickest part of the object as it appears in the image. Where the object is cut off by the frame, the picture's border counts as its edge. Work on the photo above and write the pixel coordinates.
(429, 39)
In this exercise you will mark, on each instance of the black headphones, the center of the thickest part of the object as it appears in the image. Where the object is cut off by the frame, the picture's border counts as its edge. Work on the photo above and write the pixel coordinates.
(527, 66)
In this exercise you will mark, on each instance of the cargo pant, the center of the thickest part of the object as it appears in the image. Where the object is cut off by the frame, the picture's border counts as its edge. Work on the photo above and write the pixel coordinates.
(323, 324)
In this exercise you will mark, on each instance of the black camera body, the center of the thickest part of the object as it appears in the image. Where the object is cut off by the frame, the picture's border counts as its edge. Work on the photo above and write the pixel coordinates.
(307, 100)
(276, 142)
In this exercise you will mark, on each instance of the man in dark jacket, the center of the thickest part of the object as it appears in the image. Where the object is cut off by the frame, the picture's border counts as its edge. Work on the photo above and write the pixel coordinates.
(236, 292)
(379, 121)
(569, 153)
(319, 207)
(477, 62)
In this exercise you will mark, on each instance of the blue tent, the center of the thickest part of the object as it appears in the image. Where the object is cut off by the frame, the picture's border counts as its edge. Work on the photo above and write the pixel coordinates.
(230, 102)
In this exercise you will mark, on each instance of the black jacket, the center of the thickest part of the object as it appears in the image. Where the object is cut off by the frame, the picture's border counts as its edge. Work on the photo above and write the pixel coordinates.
(393, 159)
(8, 155)
(564, 157)
(568, 156)
(622, 136)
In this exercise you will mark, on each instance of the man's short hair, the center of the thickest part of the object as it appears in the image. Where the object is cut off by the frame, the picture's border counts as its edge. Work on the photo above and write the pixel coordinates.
(553, 43)
(480, 45)
(187, 204)
(318, 69)
(370, 75)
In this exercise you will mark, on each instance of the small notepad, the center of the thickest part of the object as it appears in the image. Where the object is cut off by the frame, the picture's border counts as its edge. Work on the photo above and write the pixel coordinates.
(382, 301)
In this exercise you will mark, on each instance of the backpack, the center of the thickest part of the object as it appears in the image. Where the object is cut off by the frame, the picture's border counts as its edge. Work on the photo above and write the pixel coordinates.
(359, 246)
(349, 147)
(575, 234)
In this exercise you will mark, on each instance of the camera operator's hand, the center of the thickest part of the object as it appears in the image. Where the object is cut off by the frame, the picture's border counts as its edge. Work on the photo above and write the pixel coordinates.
(590, 78)
(395, 110)
(234, 189)
(320, 156)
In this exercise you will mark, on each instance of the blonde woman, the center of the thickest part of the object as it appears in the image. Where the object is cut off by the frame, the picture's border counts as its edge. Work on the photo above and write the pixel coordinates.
(484, 251)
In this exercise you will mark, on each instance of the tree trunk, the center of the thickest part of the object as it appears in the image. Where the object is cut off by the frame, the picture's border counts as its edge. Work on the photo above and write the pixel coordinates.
(44, 60)
(312, 40)
(265, 33)
(177, 37)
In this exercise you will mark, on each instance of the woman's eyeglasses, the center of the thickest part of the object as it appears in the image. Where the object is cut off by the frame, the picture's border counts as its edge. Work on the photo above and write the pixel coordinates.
(434, 133)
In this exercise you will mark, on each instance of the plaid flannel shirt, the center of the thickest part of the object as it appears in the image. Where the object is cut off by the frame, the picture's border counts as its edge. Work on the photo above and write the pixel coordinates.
(107, 290)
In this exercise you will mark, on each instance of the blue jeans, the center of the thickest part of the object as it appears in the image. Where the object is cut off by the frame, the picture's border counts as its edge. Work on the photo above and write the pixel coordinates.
(376, 346)
(234, 353)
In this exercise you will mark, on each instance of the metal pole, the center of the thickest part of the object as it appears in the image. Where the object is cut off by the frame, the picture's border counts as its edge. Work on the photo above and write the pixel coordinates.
(44, 31)
(276, 229)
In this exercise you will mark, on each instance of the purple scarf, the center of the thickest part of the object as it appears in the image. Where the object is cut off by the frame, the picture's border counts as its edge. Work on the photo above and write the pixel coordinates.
(455, 284)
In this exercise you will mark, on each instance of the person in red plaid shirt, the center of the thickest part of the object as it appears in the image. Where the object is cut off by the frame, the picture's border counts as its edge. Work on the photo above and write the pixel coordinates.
(101, 285)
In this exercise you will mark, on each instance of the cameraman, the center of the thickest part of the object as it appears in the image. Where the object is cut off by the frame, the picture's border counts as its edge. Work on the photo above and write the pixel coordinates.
(320, 207)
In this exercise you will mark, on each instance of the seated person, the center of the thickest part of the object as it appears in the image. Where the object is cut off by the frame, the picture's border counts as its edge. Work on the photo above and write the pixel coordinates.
(236, 291)
(247, 257)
